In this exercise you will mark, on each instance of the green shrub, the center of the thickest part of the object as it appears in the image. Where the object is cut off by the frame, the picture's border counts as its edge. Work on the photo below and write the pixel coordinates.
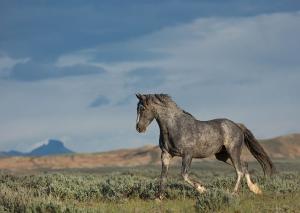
(214, 200)
(280, 183)
(74, 192)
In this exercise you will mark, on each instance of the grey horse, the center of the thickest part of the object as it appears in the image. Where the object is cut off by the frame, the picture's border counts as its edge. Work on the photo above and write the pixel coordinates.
(183, 135)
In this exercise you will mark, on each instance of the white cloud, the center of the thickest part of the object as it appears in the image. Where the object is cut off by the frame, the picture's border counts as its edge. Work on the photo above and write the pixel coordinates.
(7, 63)
(73, 59)
(243, 68)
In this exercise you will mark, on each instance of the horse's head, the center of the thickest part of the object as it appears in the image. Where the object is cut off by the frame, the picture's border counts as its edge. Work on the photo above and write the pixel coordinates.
(145, 114)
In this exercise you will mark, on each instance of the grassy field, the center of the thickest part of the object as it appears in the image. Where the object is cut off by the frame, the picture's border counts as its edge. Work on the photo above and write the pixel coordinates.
(134, 190)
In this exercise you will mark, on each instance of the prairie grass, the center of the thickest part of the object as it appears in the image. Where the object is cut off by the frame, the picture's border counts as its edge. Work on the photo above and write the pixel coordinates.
(135, 189)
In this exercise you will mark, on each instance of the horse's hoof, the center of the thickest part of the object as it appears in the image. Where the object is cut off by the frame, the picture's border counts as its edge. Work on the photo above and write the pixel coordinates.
(234, 193)
(159, 198)
(255, 189)
(201, 189)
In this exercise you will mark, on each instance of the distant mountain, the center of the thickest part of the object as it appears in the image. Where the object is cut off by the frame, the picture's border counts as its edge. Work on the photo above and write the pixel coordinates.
(53, 147)
(12, 153)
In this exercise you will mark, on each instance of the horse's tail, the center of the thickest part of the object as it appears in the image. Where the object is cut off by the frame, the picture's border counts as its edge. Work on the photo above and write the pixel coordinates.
(258, 152)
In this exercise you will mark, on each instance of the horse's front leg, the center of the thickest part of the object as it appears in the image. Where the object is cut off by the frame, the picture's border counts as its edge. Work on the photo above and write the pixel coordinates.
(186, 163)
(165, 161)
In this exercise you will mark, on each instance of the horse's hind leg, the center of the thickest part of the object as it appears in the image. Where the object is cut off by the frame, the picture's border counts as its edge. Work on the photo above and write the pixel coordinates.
(186, 163)
(223, 155)
(252, 186)
(235, 154)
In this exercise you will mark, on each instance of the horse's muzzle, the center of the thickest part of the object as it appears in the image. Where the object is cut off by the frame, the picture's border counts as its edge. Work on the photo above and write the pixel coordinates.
(140, 129)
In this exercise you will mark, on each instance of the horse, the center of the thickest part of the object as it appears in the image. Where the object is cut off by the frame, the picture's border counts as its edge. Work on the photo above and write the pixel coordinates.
(181, 134)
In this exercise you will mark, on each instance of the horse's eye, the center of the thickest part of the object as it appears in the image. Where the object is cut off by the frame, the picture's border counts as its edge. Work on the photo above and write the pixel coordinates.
(142, 107)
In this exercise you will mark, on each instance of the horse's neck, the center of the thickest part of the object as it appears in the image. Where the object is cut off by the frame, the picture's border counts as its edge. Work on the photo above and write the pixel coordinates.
(169, 125)
(168, 118)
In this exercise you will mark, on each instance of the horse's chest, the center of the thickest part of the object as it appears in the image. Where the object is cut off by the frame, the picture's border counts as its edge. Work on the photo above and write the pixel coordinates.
(175, 144)
(171, 145)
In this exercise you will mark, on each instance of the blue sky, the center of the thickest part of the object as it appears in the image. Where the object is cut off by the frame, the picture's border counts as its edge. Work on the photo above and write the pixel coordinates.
(69, 69)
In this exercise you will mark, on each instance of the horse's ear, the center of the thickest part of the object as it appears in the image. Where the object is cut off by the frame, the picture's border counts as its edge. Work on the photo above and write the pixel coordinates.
(139, 96)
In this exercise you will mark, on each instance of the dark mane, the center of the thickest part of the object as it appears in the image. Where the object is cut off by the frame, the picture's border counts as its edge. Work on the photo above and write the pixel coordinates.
(185, 112)
(163, 100)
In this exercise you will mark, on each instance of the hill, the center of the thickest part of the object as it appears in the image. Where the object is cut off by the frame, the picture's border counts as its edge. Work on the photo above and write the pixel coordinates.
(287, 146)
(53, 147)
(283, 147)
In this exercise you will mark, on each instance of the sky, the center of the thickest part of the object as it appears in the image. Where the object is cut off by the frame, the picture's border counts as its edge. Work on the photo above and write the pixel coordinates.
(69, 70)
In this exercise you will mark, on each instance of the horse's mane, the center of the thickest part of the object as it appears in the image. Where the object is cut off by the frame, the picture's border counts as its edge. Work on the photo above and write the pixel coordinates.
(163, 100)
(185, 112)
(160, 99)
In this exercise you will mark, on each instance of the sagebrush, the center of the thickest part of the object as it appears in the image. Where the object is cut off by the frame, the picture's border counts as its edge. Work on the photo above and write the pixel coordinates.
(80, 192)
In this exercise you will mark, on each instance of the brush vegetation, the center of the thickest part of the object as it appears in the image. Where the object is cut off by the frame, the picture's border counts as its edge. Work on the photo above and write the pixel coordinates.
(135, 189)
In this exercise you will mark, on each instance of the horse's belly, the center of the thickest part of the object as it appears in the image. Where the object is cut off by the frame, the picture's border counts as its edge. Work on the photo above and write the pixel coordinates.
(206, 148)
